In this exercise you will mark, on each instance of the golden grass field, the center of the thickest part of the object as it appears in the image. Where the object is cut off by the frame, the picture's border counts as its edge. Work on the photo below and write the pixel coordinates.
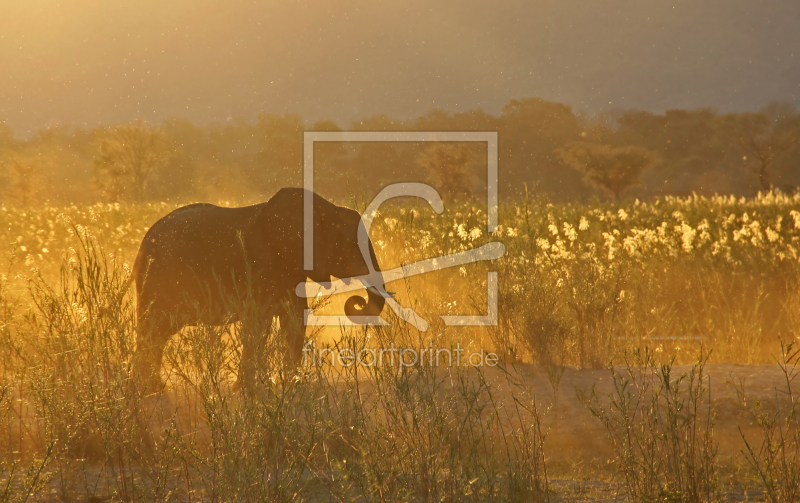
(645, 353)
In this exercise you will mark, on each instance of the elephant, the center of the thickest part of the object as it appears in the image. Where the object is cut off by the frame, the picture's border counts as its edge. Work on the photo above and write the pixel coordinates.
(196, 259)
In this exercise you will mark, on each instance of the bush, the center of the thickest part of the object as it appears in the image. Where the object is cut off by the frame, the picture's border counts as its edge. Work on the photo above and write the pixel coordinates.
(661, 427)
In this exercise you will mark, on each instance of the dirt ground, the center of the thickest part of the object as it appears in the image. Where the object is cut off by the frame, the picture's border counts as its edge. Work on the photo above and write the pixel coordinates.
(574, 434)
(577, 447)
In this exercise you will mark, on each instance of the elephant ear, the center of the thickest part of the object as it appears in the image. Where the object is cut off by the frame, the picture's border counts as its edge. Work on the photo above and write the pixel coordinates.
(276, 235)
(333, 232)
(279, 230)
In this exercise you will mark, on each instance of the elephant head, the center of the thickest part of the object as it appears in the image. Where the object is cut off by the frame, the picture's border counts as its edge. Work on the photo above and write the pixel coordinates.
(336, 247)
(339, 255)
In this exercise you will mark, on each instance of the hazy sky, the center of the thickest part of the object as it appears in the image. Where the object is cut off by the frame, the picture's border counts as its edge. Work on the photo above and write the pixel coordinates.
(90, 62)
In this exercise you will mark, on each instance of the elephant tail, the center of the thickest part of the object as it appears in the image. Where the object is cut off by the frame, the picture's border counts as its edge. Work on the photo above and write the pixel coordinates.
(137, 267)
(126, 285)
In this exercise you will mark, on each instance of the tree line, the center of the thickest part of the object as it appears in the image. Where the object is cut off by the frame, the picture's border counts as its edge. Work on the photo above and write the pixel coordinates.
(543, 146)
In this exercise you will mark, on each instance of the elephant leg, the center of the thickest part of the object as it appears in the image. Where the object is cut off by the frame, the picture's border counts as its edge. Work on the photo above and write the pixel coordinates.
(253, 335)
(152, 337)
(292, 325)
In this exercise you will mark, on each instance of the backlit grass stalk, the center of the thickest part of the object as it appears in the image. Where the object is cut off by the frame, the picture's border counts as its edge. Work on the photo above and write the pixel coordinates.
(661, 427)
(776, 461)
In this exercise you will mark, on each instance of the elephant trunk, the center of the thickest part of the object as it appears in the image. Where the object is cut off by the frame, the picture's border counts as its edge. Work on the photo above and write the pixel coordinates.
(356, 306)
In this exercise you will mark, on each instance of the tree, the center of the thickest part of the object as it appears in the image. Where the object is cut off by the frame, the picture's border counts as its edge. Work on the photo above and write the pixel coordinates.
(22, 174)
(280, 152)
(530, 131)
(373, 165)
(765, 137)
(129, 156)
(451, 167)
(334, 175)
(613, 169)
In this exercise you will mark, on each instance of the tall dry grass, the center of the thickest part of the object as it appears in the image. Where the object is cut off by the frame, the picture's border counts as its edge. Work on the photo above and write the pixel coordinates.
(79, 425)
(661, 427)
(579, 285)
(775, 455)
